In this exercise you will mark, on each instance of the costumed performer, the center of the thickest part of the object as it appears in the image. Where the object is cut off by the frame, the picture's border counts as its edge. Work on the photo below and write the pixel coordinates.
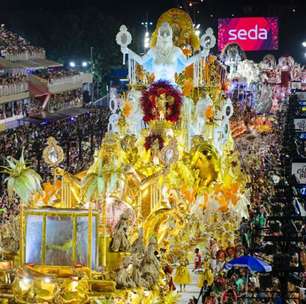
(206, 274)
(197, 259)
(182, 275)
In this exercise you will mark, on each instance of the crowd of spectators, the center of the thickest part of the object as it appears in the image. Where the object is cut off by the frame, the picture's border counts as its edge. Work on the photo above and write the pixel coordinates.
(274, 231)
(53, 74)
(238, 286)
(14, 47)
(13, 84)
(11, 109)
(78, 136)
(56, 102)
(65, 100)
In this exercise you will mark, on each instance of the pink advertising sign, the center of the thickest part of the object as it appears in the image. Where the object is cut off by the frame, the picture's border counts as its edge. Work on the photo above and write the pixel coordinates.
(251, 33)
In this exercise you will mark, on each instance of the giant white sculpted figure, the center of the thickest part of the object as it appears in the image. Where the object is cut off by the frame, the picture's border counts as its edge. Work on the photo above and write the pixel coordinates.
(165, 59)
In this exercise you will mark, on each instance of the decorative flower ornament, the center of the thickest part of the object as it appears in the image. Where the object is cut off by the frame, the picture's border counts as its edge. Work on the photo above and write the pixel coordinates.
(209, 113)
(127, 108)
(161, 101)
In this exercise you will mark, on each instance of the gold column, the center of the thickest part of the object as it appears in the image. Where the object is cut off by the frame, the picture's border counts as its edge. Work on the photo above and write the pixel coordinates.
(43, 241)
(69, 198)
(66, 195)
(104, 231)
(62, 192)
(74, 240)
(22, 234)
(89, 245)
(155, 197)
(152, 198)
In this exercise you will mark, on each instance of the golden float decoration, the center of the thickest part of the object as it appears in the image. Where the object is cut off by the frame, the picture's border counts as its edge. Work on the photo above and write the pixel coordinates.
(174, 195)
(183, 30)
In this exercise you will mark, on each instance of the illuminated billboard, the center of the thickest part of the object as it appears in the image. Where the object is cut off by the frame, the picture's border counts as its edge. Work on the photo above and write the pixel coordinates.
(251, 33)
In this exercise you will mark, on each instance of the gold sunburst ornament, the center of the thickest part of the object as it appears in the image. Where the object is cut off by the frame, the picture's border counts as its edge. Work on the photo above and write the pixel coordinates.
(184, 35)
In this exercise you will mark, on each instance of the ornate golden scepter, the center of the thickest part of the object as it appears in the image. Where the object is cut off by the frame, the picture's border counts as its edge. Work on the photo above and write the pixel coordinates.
(53, 155)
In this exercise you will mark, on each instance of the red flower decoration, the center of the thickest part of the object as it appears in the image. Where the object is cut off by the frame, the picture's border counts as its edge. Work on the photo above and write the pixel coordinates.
(149, 101)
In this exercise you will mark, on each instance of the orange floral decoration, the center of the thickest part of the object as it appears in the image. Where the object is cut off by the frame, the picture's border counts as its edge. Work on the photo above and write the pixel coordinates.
(189, 72)
(50, 190)
(209, 113)
(227, 192)
(188, 87)
(187, 51)
(127, 108)
(231, 193)
(188, 194)
(222, 203)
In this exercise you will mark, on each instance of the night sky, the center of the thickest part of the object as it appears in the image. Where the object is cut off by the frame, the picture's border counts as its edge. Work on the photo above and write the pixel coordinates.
(25, 16)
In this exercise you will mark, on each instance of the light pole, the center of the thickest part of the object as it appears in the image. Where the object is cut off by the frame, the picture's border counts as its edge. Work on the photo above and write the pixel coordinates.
(304, 46)
(92, 72)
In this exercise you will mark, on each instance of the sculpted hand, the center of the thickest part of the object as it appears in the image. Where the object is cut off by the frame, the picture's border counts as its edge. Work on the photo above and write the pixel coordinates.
(124, 50)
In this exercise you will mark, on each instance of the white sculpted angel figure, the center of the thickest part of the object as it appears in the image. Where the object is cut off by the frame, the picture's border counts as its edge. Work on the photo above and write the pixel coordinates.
(165, 59)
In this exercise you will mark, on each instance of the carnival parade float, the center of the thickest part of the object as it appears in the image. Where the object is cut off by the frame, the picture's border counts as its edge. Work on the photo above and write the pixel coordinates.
(166, 178)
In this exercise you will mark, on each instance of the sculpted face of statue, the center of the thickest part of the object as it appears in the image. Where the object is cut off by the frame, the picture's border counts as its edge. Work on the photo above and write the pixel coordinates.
(165, 36)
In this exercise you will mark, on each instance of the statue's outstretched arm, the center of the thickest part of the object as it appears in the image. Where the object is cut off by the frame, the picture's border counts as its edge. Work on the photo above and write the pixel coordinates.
(191, 60)
(141, 60)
